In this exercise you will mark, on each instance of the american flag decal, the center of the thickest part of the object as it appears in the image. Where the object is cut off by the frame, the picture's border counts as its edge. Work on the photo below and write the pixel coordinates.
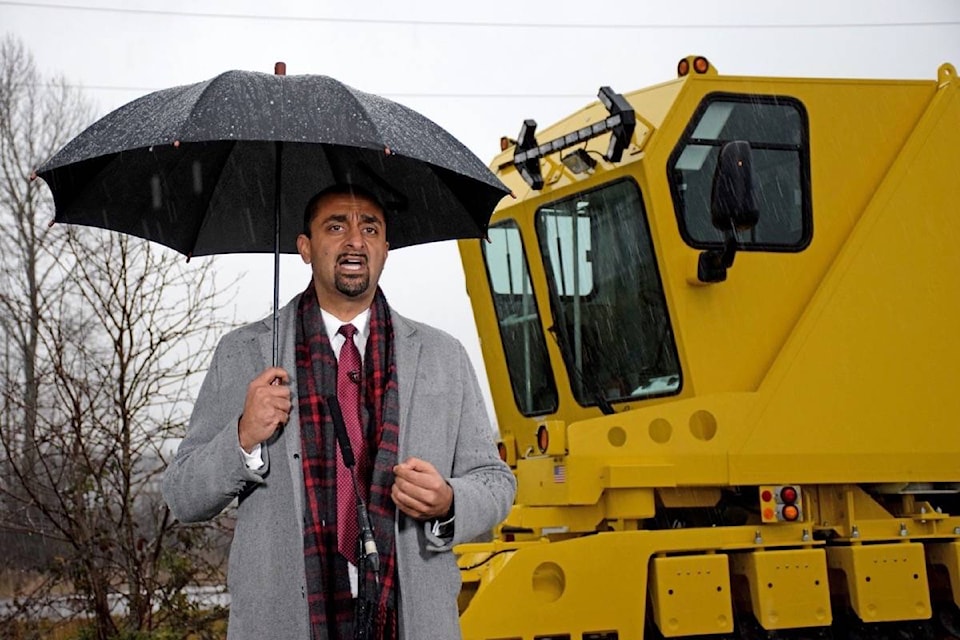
(559, 473)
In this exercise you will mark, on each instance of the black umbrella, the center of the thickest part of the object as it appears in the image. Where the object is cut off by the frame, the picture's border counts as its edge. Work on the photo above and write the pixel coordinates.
(200, 168)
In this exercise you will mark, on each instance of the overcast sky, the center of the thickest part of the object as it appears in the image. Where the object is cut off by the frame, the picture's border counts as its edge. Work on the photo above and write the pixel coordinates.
(476, 68)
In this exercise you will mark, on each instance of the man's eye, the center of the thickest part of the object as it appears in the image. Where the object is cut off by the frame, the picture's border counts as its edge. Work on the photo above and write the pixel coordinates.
(335, 227)
(370, 231)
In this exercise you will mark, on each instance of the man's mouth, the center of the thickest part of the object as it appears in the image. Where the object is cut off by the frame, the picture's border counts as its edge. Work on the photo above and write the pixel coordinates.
(352, 262)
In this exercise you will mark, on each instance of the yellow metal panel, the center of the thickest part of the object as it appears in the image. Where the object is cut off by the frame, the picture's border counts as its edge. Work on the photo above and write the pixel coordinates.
(633, 504)
(542, 481)
(645, 475)
(548, 520)
(862, 377)
(788, 588)
(885, 582)
(691, 595)
(577, 587)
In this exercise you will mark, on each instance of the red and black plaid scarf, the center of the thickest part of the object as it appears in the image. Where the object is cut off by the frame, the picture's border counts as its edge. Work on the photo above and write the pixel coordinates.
(328, 588)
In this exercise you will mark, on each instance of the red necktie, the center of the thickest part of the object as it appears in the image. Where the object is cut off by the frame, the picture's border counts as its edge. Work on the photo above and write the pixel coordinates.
(348, 395)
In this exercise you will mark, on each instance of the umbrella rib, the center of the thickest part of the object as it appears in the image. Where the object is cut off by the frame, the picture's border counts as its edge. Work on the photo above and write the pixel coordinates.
(189, 118)
(366, 113)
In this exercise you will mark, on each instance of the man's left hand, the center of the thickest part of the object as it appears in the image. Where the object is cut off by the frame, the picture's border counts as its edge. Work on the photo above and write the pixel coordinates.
(420, 491)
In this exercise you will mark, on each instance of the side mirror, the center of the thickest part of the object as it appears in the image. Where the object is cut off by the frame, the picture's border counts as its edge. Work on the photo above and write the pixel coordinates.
(732, 201)
(733, 207)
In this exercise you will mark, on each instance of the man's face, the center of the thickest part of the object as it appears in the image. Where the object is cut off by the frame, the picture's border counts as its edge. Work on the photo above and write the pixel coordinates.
(347, 248)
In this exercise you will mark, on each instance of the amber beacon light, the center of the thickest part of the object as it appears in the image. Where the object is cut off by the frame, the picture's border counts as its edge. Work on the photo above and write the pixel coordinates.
(699, 64)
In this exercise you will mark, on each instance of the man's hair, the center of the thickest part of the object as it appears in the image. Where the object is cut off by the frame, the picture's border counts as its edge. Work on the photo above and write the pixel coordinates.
(310, 211)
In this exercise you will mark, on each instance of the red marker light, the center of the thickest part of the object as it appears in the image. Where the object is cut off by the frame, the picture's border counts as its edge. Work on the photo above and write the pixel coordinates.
(766, 496)
(788, 494)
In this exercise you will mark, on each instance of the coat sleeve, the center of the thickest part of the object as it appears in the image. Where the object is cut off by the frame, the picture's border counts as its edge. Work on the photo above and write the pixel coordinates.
(483, 485)
(209, 470)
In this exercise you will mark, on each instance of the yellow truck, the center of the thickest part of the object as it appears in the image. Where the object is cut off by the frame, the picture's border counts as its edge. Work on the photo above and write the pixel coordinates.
(721, 321)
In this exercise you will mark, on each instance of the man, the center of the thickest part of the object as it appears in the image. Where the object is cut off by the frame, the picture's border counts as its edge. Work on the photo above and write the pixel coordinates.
(426, 463)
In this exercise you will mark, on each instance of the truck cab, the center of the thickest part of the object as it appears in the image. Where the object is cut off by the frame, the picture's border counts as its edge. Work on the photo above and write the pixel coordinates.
(719, 320)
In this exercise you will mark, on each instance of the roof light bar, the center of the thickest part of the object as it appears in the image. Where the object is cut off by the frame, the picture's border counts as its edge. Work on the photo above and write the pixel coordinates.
(620, 124)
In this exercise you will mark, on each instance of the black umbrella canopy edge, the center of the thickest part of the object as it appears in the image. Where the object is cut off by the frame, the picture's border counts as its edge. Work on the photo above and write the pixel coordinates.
(218, 109)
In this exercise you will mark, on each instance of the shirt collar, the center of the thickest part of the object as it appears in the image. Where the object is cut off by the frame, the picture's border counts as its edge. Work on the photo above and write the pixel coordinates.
(361, 321)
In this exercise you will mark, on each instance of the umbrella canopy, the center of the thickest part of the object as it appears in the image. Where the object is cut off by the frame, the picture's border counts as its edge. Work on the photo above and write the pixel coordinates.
(203, 168)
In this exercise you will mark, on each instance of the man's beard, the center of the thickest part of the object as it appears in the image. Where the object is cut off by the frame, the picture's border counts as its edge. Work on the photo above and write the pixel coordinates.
(352, 286)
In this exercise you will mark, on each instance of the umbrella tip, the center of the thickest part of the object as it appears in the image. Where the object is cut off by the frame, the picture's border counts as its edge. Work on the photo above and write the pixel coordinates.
(33, 176)
(280, 69)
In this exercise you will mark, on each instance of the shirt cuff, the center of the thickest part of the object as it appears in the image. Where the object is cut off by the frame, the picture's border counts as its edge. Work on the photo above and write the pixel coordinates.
(254, 459)
(443, 529)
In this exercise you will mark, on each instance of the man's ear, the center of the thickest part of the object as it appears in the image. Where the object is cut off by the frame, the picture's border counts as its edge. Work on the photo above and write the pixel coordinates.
(303, 248)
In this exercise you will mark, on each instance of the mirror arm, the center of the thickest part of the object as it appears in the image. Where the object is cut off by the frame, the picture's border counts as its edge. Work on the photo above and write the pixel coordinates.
(712, 264)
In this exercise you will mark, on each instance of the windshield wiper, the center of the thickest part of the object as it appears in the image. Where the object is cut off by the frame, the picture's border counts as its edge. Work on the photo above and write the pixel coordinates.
(589, 384)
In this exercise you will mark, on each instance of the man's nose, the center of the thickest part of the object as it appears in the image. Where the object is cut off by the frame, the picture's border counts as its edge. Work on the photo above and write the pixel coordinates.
(354, 235)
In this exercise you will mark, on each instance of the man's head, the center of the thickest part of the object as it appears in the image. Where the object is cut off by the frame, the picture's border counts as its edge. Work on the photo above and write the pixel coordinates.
(344, 240)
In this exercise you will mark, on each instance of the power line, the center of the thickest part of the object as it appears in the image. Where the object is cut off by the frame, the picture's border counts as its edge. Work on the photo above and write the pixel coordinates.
(480, 24)
(404, 95)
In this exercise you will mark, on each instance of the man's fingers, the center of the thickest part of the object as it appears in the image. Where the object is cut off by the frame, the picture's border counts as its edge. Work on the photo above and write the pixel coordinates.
(272, 373)
(409, 504)
(416, 464)
(419, 472)
(423, 495)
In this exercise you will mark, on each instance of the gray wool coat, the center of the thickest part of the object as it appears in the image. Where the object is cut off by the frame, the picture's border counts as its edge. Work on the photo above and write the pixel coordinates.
(442, 420)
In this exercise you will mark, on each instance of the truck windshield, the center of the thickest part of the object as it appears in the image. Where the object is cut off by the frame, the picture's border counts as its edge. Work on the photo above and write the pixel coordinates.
(610, 317)
(521, 331)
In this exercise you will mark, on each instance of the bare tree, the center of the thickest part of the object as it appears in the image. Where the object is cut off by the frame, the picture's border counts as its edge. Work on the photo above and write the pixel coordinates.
(35, 120)
(101, 337)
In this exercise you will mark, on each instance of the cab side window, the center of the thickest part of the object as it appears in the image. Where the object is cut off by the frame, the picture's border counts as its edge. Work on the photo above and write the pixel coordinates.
(777, 130)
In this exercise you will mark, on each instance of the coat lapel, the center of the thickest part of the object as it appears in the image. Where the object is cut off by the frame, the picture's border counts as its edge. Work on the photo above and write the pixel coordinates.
(407, 345)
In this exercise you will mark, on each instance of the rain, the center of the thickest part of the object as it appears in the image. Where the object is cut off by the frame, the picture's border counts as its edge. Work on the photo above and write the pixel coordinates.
(478, 73)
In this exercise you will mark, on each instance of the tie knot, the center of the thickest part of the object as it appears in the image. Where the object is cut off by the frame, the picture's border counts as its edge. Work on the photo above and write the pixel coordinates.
(347, 331)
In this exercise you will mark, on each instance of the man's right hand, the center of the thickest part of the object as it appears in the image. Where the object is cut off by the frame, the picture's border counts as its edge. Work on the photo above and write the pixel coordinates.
(266, 407)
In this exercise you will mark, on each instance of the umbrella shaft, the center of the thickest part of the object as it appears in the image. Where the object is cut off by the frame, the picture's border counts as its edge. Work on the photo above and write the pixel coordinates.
(276, 256)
